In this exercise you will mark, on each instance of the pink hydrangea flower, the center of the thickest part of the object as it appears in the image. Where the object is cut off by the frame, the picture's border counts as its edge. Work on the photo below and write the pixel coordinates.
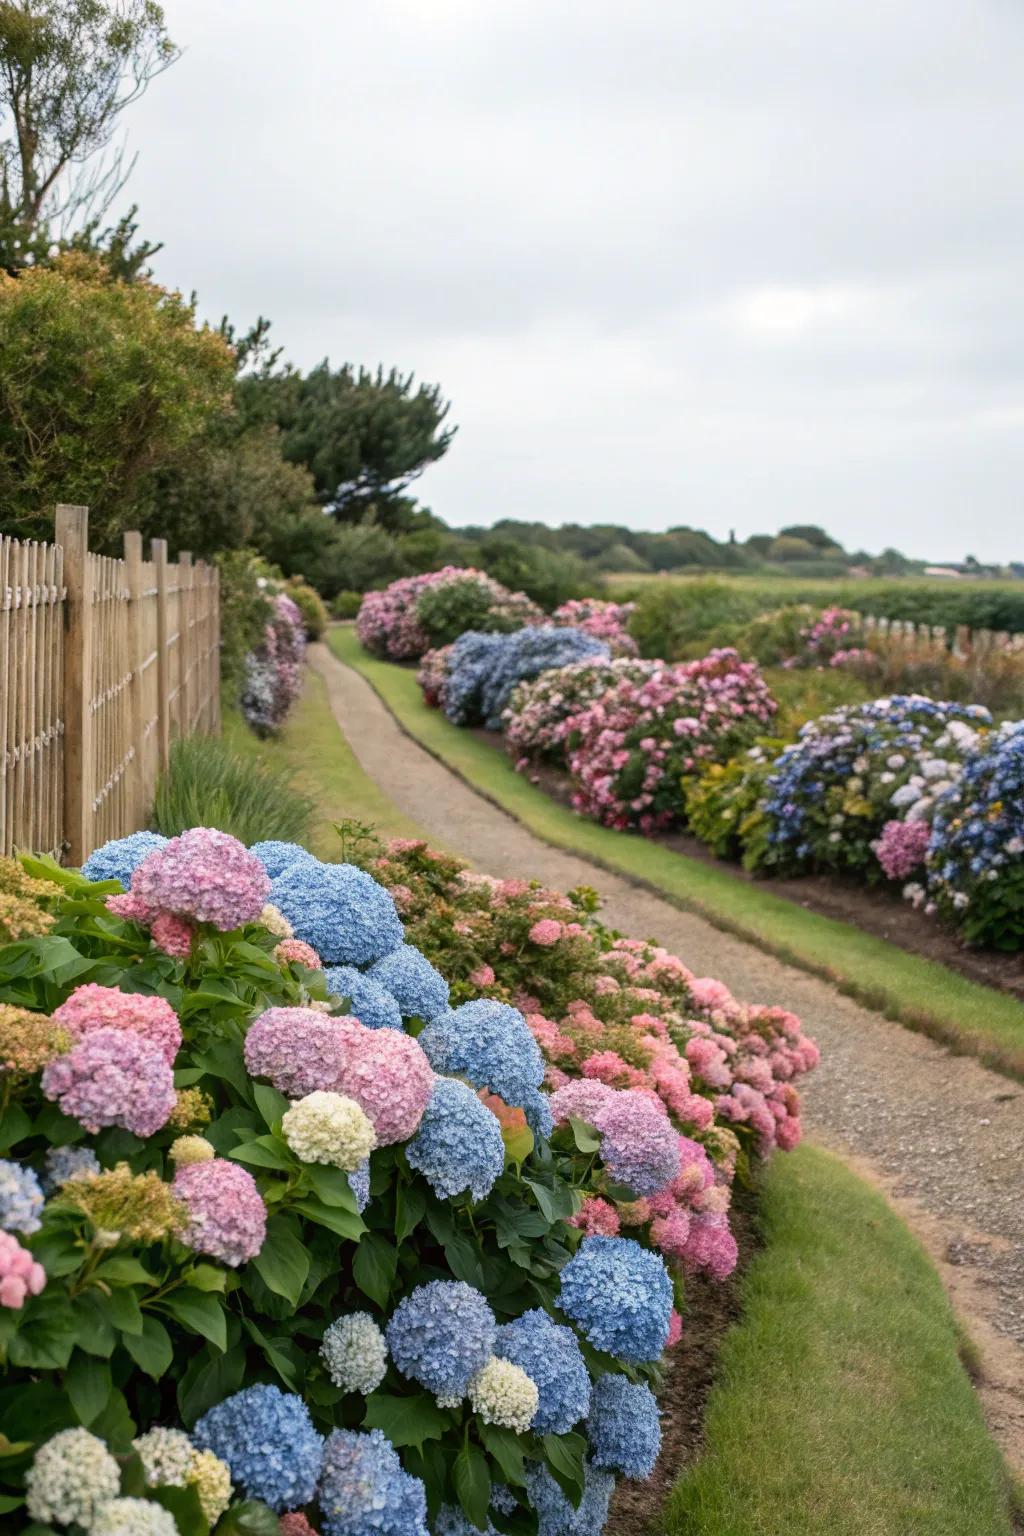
(205, 875)
(129, 906)
(226, 1215)
(113, 1077)
(483, 976)
(94, 1007)
(172, 934)
(296, 1525)
(20, 1275)
(596, 1217)
(675, 1329)
(390, 1078)
(296, 1049)
(710, 1245)
(300, 952)
(580, 1099)
(545, 932)
(902, 847)
(671, 1233)
(639, 1147)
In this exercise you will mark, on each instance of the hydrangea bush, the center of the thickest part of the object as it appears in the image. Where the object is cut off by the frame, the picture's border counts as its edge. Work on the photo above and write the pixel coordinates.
(276, 1257)
(483, 669)
(415, 613)
(608, 621)
(273, 671)
(535, 720)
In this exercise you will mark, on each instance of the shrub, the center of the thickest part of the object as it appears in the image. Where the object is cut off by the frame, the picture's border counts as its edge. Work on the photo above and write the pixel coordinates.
(535, 719)
(723, 803)
(243, 616)
(629, 751)
(273, 670)
(389, 622)
(976, 851)
(670, 616)
(242, 1269)
(830, 794)
(484, 669)
(607, 620)
(24, 903)
(208, 785)
(310, 605)
(346, 605)
(799, 635)
(432, 675)
(448, 609)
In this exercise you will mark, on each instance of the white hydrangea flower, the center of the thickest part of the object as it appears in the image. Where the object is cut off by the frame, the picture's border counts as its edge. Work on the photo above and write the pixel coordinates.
(166, 1456)
(191, 1149)
(276, 923)
(502, 1393)
(211, 1479)
(133, 1517)
(70, 1477)
(329, 1128)
(355, 1353)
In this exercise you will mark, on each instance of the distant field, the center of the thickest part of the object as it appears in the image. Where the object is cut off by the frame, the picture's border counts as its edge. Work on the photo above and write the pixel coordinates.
(787, 586)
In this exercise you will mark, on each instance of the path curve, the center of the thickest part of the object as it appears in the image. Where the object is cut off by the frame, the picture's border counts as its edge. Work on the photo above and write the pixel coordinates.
(941, 1134)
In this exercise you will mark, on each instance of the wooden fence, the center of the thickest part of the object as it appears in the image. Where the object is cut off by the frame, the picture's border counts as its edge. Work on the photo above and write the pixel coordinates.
(102, 663)
(962, 640)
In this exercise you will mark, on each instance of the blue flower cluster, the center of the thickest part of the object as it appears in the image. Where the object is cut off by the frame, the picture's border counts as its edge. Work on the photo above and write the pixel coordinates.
(419, 990)
(490, 1043)
(21, 1198)
(119, 859)
(369, 1002)
(452, 1522)
(458, 1145)
(364, 1490)
(63, 1163)
(555, 1515)
(276, 856)
(440, 1335)
(267, 1438)
(619, 1295)
(359, 1184)
(549, 1354)
(484, 669)
(347, 916)
(623, 1427)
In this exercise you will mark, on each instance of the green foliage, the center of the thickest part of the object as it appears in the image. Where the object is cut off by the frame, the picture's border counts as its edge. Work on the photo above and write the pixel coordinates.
(451, 608)
(669, 617)
(345, 605)
(243, 616)
(548, 577)
(723, 804)
(776, 635)
(209, 785)
(310, 604)
(101, 383)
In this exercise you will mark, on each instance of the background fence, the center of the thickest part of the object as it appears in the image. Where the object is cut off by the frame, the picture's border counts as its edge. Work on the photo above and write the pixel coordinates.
(102, 663)
(962, 641)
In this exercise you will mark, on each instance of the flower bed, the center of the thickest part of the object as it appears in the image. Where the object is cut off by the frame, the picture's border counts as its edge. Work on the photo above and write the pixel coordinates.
(535, 720)
(273, 671)
(480, 671)
(607, 621)
(415, 613)
(295, 1227)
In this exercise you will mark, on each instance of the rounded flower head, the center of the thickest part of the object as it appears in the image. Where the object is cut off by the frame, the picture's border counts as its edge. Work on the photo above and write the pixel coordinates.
(113, 1077)
(295, 952)
(125, 1204)
(619, 1295)
(364, 1490)
(459, 1143)
(20, 1275)
(166, 1456)
(63, 1163)
(172, 934)
(490, 1044)
(298, 1049)
(267, 1439)
(389, 1076)
(191, 1149)
(94, 1007)
(211, 1478)
(556, 1516)
(355, 1353)
(639, 1146)
(440, 1335)
(343, 912)
(226, 1215)
(368, 1001)
(502, 1393)
(328, 1128)
(276, 857)
(623, 1427)
(29, 1040)
(581, 1099)
(205, 875)
(120, 858)
(550, 1355)
(21, 1198)
(133, 1517)
(419, 990)
(71, 1477)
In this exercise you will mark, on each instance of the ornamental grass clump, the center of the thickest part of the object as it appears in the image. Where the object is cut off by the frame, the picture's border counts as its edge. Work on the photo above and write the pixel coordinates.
(280, 1243)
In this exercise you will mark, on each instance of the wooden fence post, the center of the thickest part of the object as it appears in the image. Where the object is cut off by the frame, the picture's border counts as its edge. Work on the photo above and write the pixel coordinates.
(136, 711)
(72, 534)
(158, 552)
(215, 659)
(186, 671)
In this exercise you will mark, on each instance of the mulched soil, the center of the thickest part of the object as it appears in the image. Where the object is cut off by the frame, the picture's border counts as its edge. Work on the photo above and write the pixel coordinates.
(878, 910)
(711, 1309)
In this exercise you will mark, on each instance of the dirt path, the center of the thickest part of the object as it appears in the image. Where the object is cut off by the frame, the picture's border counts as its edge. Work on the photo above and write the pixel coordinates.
(942, 1135)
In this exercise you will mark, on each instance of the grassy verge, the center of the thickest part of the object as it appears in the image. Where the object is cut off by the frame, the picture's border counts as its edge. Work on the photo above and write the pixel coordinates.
(841, 1405)
(969, 1017)
(320, 758)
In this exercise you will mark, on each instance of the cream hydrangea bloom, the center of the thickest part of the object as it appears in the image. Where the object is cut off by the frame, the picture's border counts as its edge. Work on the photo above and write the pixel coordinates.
(502, 1393)
(329, 1128)
(355, 1353)
(211, 1479)
(276, 923)
(71, 1476)
(191, 1149)
(133, 1517)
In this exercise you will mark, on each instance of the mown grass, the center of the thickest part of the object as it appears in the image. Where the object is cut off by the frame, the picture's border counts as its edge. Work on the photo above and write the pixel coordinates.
(841, 1407)
(322, 766)
(920, 993)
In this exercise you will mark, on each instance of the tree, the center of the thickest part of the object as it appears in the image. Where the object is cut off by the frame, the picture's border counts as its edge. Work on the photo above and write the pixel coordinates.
(364, 436)
(102, 384)
(68, 69)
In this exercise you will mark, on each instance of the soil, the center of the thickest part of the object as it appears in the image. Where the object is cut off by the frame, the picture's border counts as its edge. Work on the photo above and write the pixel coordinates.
(941, 1134)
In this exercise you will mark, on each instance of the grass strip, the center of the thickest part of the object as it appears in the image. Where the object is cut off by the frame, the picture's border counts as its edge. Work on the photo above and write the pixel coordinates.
(325, 768)
(965, 1015)
(840, 1404)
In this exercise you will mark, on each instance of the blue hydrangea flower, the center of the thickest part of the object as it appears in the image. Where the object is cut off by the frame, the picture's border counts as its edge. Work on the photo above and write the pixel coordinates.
(368, 1001)
(348, 917)
(359, 1184)
(118, 859)
(490, 1044)
(538, 1114)
(21, 1198)
(623, 1427)
(555, 1515)
(419, 990)
(549, 1354)
(458, 1145)
(364, 1490)
(619, 1295)
(267, 1438)
(276, 856)
(440, 1335)
(452, 1522)
(63, 1163)
(484, 669)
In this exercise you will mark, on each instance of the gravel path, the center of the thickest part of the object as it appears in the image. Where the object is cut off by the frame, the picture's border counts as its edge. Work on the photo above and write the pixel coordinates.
(943, 1135)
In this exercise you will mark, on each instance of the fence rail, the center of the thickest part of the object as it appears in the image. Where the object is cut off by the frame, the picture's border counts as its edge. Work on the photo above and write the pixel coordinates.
(103, 662)
(962, 641)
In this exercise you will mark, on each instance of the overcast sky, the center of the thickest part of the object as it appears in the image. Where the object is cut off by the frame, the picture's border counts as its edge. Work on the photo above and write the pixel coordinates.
(735, 264)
